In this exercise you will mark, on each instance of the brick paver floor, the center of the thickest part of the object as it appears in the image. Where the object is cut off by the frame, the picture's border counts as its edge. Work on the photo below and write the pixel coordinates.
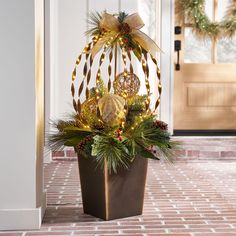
(188, 199)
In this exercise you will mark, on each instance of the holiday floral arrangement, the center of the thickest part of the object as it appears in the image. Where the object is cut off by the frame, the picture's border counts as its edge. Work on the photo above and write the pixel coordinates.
(114, 124)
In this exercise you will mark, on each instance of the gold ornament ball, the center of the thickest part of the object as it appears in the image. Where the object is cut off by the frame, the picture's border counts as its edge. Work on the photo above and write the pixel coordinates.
(132, 84)
(89, 112)
(111, 108)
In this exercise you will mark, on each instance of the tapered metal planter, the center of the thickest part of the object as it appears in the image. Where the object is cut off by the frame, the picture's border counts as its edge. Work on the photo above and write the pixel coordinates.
(111, 196)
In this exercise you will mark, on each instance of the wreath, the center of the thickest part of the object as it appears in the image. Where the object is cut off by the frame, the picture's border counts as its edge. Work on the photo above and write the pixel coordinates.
(193, 11)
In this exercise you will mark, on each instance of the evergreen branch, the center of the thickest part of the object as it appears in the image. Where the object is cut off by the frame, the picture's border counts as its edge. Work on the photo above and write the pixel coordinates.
(94, 22)
(68, 135)
(145, 134)
(108, 149)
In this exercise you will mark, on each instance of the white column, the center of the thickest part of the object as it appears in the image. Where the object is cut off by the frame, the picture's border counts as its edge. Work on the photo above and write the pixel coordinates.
(167, 45)
(22, 201)
(48, 80)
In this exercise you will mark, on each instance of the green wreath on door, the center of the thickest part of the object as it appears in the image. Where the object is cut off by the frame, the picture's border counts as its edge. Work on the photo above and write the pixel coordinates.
(193, 11)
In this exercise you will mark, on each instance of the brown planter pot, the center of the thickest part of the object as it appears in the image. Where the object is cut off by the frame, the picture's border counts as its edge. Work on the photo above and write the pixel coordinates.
(111, 196)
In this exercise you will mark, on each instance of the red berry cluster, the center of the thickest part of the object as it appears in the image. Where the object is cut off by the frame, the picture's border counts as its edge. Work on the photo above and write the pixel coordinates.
(127, 44)
(118, 133)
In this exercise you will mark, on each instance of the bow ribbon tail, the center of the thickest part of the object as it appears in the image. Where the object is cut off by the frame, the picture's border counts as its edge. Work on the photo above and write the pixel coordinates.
(97, 47)
(146, 42)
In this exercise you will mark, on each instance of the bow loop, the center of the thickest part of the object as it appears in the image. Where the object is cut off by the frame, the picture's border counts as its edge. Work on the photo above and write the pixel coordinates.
(109, 22)
(134, 21)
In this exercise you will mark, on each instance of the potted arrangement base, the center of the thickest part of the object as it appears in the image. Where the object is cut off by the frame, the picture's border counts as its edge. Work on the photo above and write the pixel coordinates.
(109, 195)
(113, 130)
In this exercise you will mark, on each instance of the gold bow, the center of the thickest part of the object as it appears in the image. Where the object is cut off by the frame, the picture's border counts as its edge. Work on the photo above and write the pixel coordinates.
(111, 24)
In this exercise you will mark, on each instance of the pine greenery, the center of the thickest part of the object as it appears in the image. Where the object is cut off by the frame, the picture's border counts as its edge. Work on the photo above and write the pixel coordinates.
(94, 22)
(121, 17)
(106, 148)
(114, 153)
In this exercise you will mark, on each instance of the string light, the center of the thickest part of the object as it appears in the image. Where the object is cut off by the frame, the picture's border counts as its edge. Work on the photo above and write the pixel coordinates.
(74, 75)
(86, 48)
(78, 60)
(109, 41)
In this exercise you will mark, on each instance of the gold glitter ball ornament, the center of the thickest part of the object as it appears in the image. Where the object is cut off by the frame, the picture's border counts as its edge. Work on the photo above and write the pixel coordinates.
(131, 84)
(111, 108)
(89, 112)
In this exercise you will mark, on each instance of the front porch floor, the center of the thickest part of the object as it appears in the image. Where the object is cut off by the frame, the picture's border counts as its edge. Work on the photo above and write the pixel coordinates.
(187, 198)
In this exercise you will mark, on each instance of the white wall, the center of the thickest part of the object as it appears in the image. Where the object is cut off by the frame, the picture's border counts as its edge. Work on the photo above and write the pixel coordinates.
(68, 24)
(22, 118)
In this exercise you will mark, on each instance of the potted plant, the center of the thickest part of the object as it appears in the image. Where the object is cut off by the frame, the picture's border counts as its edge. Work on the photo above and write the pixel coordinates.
(114, 130)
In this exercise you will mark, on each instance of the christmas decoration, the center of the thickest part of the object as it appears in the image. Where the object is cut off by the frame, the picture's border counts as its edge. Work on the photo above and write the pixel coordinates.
(110, 35)
(115, 128)
(89, 112)
(160, 124)
(82, 144)
(102, 90)
(111, 108)
(193, 12)
(126, 86)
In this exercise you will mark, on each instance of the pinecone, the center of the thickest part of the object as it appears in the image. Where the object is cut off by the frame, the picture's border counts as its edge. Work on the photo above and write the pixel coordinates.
(98, 126)
(161, 125)
(124, 28)
(81, 145)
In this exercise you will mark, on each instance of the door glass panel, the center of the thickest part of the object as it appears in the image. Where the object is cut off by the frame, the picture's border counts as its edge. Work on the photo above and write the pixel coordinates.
(226, 47)
(195, 50)
(226, 50)
(223, 5)
(209, 8)
(148, 14)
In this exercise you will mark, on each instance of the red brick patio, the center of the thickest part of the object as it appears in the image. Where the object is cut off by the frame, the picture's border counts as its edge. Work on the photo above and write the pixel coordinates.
(193, 198)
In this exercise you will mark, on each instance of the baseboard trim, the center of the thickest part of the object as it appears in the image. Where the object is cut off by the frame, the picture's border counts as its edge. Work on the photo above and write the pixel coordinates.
(204, 133)
(22, 219)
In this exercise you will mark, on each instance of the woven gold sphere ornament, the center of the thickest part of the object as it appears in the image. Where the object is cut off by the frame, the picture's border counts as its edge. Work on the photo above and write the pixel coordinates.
(131, 84)
(111, 108)
(89, 112)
